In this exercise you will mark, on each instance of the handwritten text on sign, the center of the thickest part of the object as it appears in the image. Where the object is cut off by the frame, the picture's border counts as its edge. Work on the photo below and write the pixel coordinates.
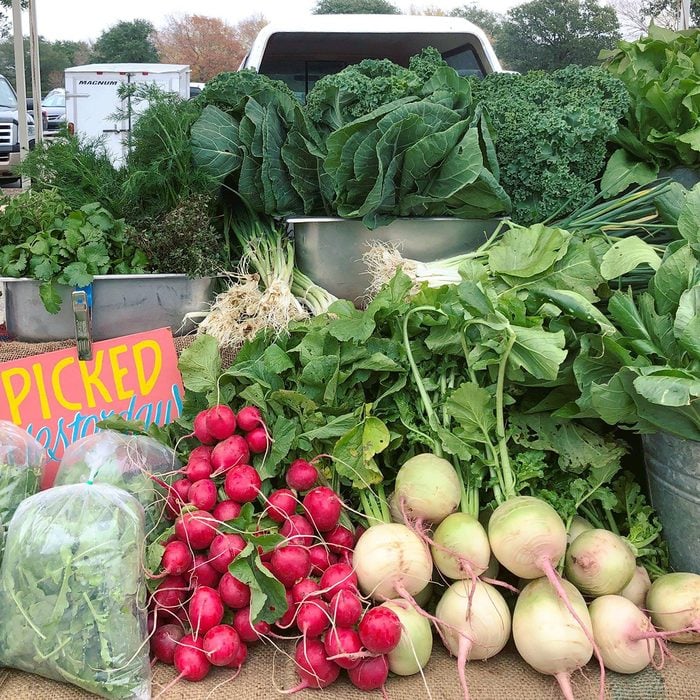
(59, 399)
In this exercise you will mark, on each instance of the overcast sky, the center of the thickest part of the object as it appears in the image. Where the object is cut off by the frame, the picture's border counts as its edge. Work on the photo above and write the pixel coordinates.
(86, 19)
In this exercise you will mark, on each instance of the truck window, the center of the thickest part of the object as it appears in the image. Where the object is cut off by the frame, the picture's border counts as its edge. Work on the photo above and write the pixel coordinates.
(465, 61)
(299, 75)
(7, 95)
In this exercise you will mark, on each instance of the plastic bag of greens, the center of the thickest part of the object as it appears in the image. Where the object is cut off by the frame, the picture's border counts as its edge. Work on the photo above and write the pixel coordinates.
(22, 461)
(128, 461)
(72, 590)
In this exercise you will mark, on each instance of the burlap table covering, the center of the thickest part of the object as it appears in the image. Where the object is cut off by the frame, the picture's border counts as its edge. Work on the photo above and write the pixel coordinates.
(505, 677)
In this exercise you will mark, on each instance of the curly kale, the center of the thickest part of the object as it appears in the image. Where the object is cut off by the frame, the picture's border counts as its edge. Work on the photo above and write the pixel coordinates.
(551, 132)
(359, 89)
(230, 91)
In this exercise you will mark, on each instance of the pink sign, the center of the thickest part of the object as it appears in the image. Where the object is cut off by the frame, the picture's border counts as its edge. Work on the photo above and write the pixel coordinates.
(59, 399)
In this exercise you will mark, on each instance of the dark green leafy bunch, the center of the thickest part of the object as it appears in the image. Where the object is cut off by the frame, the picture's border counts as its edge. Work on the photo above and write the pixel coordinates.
(662, 75)
(361, 88)
(184, 240)
(159, 168)
(551, 131)
(71, 251)
(230, 91)
(79, 169)
(28, 213)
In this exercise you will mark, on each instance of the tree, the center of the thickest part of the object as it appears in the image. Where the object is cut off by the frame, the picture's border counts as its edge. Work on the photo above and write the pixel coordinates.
(487, 20)
(655, 8)
(247, 29)
(550, 34)
(127, 42)
(355, 7)
(207, 44)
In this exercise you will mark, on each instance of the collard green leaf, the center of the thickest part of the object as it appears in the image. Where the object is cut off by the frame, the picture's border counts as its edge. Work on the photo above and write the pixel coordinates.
(473, 408)
(354, 452)
(673, 278)
(627, 254)
(528, 252)
(623, 171)
(689, 219)
(668, 387)
(215, 143)
(537, 351)
(200, 365)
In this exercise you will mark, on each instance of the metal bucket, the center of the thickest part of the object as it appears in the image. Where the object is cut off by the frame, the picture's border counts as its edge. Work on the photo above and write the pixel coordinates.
(329, 250)
(121, 305)
(673, 470)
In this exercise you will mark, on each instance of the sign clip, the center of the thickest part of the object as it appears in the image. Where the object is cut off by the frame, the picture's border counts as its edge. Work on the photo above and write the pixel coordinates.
(82, 313)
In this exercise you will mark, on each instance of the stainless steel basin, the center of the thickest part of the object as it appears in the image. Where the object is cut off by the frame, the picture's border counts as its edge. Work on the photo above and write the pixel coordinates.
(329, 250)
(122, 304)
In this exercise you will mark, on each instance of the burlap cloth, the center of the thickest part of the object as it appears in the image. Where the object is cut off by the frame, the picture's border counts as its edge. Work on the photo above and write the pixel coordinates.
(505, 677)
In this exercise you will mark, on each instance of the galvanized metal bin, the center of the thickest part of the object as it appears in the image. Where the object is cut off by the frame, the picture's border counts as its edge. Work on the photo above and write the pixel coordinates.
(329, 250)
(122, 304)
(673, 470)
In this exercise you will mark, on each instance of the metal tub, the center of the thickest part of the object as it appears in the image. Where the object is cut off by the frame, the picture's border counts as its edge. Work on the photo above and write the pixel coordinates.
(121, 304)
(329, 250)
(673, 470)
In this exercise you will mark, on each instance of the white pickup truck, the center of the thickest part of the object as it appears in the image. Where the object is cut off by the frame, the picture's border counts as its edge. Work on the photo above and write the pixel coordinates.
(302, 51)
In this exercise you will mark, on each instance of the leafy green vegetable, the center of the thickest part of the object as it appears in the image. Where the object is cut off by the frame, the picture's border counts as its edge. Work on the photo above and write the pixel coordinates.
(550, 131)
(72, 591)
(17, 482)
(662, 75)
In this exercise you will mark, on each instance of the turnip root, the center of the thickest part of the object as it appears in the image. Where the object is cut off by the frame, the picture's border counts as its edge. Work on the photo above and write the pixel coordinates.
(546, 634)
(578, 525)
(460, 547)
(621, 631)
(475, 623)
(599, 562)
(638, 587)
(416, 644)
(427, 489)
(674, 604)
(391, 560)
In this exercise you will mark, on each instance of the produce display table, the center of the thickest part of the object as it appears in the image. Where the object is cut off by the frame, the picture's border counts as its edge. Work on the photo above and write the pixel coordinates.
(505, 677)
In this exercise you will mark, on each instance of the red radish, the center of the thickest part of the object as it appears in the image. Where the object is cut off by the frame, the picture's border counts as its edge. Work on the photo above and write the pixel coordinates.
(221, 645)
(336, 578)
(197, 528)
(203, 494)
(298, 530)
(370, 674)
(198, 469)
(281, 504)
(246, 631)
(190, 660)
(359, 531)
(230, 453)
(205, 609)
(203, 573)
(200, 429)
(242, 484)
(171, 592)
(164, 642)
(220, 422)
(340, 540)
(304, 589)
(226, 510)
(289, 617)
(240, 658)
(346, 608)
(224, 549)
(258, 440)
(233, 592)
(313, 667)
(182, 488)
(158, 617)
(380, 630)
(342, 645)
(301, 475)
(177, 558)
(290, 564)
(201, 452)
(321, 558)
(322, 507)
(313, 618)
(249, 418)
(151, 621)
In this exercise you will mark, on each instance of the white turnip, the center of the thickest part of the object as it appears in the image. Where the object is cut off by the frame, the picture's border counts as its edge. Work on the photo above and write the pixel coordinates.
(577, 526)
(674, 604)
(599, 562)
(391, 560)
(427, 489)
(460, 547)
(413, 651)
(638, 587)
(546, 634)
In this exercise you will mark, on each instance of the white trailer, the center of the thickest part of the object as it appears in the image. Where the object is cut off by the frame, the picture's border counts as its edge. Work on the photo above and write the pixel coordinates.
(92, 99)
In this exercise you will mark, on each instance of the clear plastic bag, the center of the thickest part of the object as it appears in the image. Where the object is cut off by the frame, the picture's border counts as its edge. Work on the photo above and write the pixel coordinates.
(127, 461)
(22, 462)
(72, 591)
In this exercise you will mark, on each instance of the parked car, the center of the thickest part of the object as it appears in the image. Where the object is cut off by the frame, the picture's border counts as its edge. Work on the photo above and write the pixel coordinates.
(9, 132)
(196, 88)
(54, 104)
